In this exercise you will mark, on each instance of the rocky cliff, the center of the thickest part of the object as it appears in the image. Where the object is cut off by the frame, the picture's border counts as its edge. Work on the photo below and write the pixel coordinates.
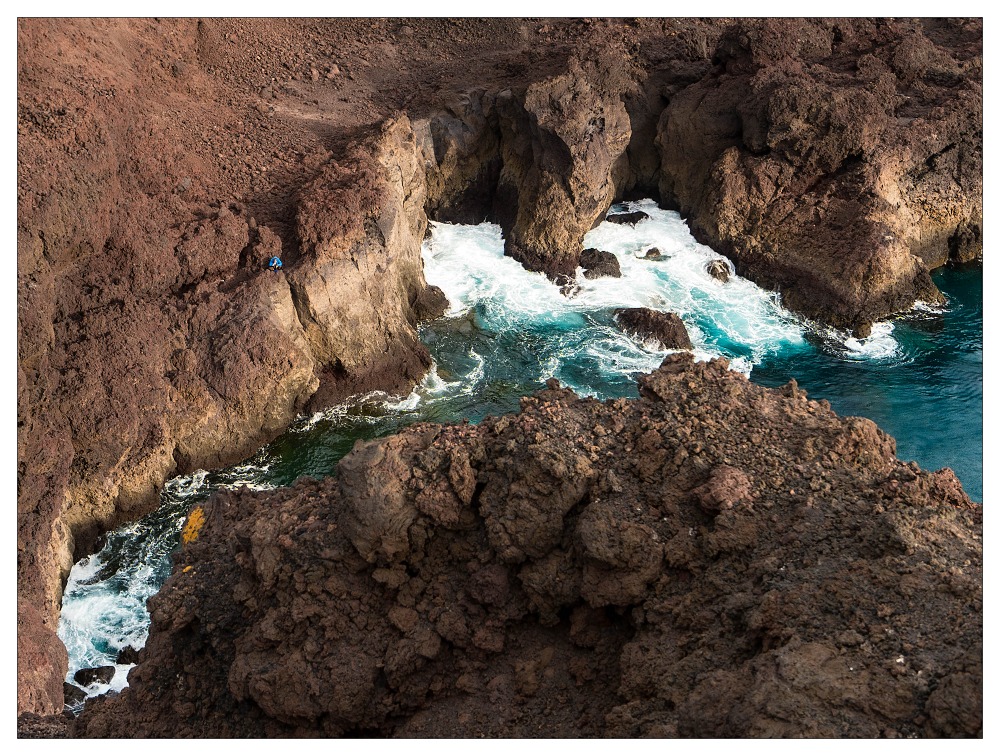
(153, 340)
(160, 162)
(713, 559)
(836, 161)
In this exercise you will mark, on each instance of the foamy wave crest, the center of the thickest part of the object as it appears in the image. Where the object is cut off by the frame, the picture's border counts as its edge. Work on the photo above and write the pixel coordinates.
(431, 387)
(879, 346)
(737, 319)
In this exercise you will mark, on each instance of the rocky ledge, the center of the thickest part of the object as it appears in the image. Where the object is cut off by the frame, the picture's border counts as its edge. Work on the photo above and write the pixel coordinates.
(712, 559)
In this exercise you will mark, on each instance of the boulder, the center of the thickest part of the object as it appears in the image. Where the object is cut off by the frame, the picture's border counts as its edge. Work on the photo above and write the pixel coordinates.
(665, 327)
(653, 253)
(627, 219)
(597, 264)
(725, 488)
(73, 695)
(94, 675)
(718, 270)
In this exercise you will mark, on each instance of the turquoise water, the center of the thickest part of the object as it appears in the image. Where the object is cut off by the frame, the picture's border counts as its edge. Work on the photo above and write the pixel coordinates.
(508, 330)
(927, 394)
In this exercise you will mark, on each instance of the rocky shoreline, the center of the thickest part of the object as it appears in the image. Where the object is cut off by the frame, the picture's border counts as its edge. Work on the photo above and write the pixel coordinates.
(713, 559)
(161, 162)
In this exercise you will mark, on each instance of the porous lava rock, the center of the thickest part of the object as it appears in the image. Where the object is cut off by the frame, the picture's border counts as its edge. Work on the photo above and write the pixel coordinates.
(712, 559)
(664, 327)
(560, 142)
(162, 161)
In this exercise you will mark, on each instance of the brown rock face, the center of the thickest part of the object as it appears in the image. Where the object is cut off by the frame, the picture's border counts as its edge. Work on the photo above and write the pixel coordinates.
(362, 221)
(664, 327)
(713, 559)
(151, 339)
(835, 161)
(560, 144)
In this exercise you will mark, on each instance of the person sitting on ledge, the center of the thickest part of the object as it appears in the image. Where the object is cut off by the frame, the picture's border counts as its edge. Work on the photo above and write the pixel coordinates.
(274, 263)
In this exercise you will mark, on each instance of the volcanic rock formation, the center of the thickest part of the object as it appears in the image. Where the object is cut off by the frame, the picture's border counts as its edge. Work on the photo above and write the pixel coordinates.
(161, 161)
(836, 162)
(713, 559)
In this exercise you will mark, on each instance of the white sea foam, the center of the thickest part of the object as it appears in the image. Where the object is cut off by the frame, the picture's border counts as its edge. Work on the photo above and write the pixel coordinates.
(880, 345)
(184, 486)
(928, 307)
(98, 619)
(468, 263)
(432, 386)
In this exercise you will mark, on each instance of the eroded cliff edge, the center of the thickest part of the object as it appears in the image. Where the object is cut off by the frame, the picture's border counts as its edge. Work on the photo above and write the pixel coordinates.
(159, 162)
(712, 559)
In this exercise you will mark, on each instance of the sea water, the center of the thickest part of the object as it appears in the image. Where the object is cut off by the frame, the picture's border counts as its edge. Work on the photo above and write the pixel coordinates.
(507, 330)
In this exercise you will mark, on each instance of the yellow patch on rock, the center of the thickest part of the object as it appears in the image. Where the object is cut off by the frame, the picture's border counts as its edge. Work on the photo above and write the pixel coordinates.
(193, 525)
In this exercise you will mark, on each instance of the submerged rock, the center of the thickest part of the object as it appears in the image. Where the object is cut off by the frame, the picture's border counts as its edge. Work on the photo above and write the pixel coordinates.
(629, 219)
(94, 675)
(713, 559)
(598, 263)
(665, 327)
(73, 695)
(653, 253)
(718, 270)
(568, 285)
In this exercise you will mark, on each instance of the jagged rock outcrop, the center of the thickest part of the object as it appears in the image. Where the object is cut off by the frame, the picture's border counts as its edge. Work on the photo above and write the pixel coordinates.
(152, 341)
(560, 142)
(361, 222)
(713, 559)
(834, 160)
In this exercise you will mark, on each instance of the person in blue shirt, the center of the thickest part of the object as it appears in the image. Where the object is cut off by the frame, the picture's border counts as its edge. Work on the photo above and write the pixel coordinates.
(274, 263)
